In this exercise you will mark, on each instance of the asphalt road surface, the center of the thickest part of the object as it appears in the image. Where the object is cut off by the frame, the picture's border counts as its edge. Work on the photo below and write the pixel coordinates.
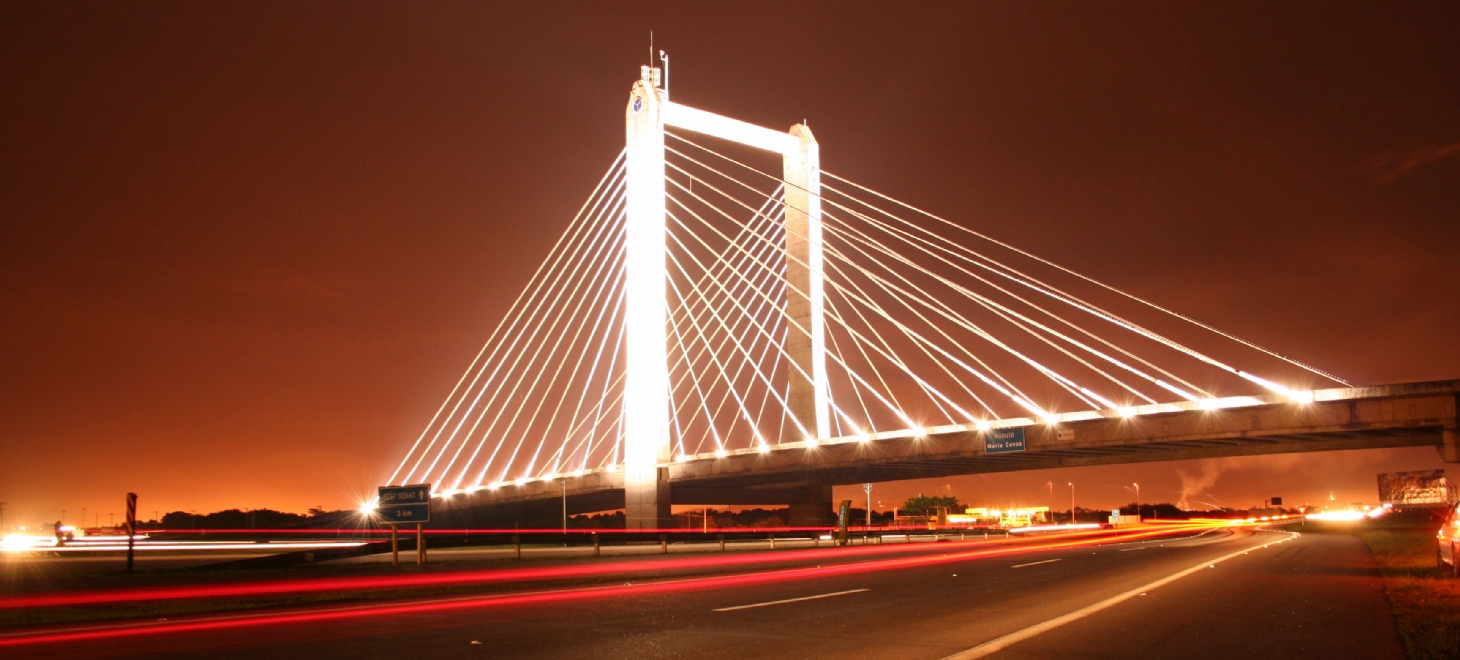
(1222, 594)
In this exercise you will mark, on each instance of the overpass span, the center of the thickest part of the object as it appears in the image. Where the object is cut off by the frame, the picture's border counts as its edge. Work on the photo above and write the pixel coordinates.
(1401, 415)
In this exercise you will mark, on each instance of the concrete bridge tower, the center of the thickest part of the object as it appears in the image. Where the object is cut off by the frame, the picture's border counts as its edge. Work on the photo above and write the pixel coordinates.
(646, 391)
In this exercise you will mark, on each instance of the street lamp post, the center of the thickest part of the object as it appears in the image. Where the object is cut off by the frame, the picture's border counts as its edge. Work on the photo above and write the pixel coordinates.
(1138, 501)
(1072, 502)
(867, 488)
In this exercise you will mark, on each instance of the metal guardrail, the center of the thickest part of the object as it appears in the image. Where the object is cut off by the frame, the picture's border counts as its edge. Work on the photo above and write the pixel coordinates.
(597, 539)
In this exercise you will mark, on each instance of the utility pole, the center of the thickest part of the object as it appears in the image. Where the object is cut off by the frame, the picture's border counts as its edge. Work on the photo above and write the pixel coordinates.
(2, 516)
(867, 488)
(83, 516)
(1072, 502)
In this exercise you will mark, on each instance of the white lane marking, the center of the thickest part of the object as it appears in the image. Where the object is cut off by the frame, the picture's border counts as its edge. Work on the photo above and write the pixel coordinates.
(788, 600)
(1130, 549)
(1035, 563)
(996, 645)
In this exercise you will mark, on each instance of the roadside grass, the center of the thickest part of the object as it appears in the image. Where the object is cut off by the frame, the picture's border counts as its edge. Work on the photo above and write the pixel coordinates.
(1425, 598)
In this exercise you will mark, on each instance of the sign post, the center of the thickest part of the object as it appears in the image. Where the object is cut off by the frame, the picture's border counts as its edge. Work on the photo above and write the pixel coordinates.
(405, 504)
(131, 529)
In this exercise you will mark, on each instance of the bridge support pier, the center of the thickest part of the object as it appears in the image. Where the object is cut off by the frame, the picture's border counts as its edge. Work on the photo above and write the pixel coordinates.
(646, 501)
(811, 507)
(1450, 446)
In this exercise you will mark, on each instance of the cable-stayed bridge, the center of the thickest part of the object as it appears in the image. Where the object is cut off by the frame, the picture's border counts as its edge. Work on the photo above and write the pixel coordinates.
(725, 323)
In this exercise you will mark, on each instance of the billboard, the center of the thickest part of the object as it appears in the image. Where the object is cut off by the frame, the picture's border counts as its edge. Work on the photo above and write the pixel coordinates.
(1426, 489)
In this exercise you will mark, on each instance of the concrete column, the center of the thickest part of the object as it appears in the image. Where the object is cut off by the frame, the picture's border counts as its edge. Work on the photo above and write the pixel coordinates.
(646, 375)
(1450, 446)
(811, 507)
(802, 172)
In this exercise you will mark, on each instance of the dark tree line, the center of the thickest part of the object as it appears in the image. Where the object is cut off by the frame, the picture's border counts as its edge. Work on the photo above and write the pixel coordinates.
(931, 505)
(238, 519)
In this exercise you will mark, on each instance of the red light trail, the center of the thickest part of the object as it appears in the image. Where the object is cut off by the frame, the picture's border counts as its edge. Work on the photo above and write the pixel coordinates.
(481, 576)
(108, 631)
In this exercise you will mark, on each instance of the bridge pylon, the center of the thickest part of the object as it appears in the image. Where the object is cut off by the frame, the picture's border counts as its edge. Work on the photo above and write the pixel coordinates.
(647, 447)
(646, 367)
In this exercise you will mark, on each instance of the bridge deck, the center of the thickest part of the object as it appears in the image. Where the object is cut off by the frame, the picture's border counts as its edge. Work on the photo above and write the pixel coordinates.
(1411, 414)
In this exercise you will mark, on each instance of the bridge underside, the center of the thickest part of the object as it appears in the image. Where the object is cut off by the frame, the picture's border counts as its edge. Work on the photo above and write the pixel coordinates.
(1356, 418)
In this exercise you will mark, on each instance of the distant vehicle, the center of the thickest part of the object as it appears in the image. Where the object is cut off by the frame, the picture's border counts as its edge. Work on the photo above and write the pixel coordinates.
(1448, 537)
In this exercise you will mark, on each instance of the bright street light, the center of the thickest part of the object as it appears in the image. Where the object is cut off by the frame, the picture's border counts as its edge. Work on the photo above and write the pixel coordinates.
(1072, 503)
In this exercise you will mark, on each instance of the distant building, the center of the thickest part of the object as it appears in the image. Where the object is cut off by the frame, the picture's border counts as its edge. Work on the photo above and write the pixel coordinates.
(1015, 517)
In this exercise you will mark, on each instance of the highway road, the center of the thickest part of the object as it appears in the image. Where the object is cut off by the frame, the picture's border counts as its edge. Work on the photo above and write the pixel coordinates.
(1217, 594)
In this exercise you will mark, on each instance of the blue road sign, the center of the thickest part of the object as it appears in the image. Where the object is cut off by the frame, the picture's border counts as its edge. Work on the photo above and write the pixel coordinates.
(404, 504)
(1000, 441)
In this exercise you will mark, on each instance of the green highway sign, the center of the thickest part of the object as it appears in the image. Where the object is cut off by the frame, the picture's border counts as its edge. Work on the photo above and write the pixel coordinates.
(1000, 441)
(404, 504)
